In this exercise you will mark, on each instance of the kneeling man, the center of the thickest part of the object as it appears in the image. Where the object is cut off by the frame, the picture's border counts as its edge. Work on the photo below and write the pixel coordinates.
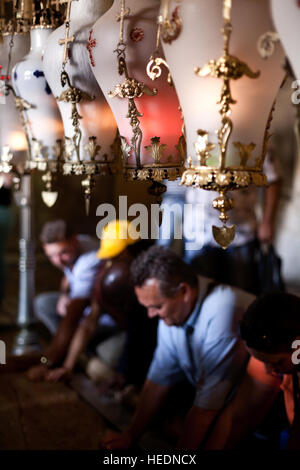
(197, 340)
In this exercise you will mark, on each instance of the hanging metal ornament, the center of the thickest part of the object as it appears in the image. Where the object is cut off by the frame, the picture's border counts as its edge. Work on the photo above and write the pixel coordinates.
(224, 159)
(90, 129)
(13, 140)
(152, 144)
(156, 60)
(170, 27)
(43, 122)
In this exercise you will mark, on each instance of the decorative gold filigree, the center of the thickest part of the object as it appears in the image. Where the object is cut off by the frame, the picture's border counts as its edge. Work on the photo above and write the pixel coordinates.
(267, 134)
(92, 148)
(223, 178)
(88, 184)
(157, 189)
(212, 179)
(89, 168)
(22, 106)
(227, 67)
(154, 68)
(74, 96)
(223, 204)
(156, 149)
(58, 150)
(224, 236)
(181, 147)
(203, 147)
(36, 149)
(151, 173)
(49, 196)
(245, 152)
(170, 28)
(6, 154)
(132, 89)
(126, 149)
(69, 149)
(6, 158)
(266, 44)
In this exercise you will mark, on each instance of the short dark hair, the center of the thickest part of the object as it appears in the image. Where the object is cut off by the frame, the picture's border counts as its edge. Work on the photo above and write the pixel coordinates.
(271, 322)
(56, 231)
(165, 266)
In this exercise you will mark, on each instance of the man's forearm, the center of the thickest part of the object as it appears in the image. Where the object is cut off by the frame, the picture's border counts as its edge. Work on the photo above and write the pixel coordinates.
(152, 398)
(196, 426)
(60, 342)
(64, 286)
(294, 440)
(82, 336)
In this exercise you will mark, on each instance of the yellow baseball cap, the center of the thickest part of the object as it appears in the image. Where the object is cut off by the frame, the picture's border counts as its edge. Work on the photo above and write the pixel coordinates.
(114, 239)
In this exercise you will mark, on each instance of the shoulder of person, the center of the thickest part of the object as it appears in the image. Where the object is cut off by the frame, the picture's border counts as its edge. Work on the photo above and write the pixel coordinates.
(87, 243)
(227, 296)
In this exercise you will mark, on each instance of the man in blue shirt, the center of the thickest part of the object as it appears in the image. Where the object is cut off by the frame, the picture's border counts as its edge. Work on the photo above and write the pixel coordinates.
(197, 339)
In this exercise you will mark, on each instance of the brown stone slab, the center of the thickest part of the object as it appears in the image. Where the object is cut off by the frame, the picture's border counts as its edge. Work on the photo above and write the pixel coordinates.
(115, 413)
(42, 416)
(11, 434)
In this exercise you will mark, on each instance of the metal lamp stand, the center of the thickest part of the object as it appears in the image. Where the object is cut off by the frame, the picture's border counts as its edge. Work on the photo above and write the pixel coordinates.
(26, 341)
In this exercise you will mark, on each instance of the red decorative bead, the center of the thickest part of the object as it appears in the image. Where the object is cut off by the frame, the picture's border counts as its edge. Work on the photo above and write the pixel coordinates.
(137, 34)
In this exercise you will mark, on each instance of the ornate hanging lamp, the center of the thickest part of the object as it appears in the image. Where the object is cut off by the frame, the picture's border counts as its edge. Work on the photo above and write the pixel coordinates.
(15, 45)
(226, 145)
(41, 113)
(89, 125)
(147, 113)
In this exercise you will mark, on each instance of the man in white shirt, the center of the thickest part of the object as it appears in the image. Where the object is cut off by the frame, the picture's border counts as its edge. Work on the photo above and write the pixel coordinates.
(61, 311)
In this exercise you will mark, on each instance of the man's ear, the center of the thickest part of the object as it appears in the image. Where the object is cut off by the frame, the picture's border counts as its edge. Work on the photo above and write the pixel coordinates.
(184, 289)
(74, 239)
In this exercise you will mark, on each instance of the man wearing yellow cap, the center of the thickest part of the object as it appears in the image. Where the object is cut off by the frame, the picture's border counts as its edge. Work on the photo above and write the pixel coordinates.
(114, 295)
(115, 238)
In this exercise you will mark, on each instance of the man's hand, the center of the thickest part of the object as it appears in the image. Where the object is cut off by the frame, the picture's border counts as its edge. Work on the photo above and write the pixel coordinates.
(115, 383)
(122, 441)
(60, 373)
(37, 373)
(62, 305)
(265, 232)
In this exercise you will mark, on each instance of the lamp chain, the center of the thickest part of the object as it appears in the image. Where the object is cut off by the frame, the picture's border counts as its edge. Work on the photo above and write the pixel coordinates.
(11, 44)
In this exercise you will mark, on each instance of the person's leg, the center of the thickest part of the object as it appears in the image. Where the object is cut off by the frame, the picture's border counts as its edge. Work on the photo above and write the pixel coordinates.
(110, 350)
(45, 310)
(241, 267)
(207, 263)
